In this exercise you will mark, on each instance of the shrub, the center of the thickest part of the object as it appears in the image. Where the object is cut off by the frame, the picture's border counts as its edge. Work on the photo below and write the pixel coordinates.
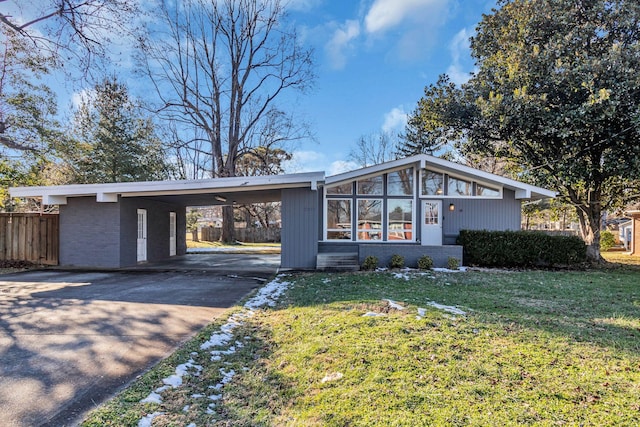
(520, 249)
(607, 240)
(425, 262)
(397, 261)
(370, 263)
(453, 263)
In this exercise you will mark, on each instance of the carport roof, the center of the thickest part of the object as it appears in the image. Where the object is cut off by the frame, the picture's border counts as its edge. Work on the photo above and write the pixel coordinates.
(189, 192)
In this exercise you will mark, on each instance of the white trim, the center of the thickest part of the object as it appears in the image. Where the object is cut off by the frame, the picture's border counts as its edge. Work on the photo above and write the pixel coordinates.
(108, 193)
(429, 162)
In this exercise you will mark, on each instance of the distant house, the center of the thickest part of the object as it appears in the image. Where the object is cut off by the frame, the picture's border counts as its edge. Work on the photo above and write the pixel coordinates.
(624, 234)
(412, 206)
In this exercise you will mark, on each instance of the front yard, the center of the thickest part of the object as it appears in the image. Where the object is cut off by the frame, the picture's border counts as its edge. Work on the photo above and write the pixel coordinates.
(410, 349)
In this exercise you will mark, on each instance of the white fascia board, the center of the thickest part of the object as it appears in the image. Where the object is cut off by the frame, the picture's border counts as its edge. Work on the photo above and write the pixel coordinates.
(110, 192)
(523, 191)
(53, 200)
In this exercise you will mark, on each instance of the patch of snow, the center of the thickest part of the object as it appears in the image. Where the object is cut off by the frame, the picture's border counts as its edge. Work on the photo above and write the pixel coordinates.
(197, 395)
(215, 397)
(152, 398)
(448, 308)
(447, 270)
(186, 409)
(332, 377)
(173, 380)
(192, 425)
(404, 276)
(268, 294)
(372, 314)
(394, 304)
(326, 280)
(147, 420)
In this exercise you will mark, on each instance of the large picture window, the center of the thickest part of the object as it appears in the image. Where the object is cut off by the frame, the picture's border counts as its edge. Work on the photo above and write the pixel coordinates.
(432, 183)
(400, 183)
(369, 219)
(339, 219)
(399, 219)
(371, 186)
(345, 189)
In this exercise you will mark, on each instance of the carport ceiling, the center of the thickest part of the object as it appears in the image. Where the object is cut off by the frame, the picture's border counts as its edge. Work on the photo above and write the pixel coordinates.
(205, 192)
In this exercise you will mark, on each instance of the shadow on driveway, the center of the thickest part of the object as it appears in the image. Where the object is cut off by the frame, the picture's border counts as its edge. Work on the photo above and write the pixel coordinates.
(69, 340)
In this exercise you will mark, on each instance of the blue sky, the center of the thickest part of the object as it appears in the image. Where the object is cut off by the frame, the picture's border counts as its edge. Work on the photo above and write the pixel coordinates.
(374, 58)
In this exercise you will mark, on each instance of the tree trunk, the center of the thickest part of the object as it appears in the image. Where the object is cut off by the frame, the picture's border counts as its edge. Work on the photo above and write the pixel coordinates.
(589, 219)
(194, 235)
(227, 234)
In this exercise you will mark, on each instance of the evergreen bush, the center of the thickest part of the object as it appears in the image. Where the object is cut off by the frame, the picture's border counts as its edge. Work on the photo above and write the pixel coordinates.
(370, 263)
(520, 249)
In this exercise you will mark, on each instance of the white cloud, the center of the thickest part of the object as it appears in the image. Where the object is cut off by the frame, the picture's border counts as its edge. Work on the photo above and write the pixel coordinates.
(341, 43)
(305, 161)
(78, 97)
(395, 120)
(385, 14)
(341, 166)
(459, 49)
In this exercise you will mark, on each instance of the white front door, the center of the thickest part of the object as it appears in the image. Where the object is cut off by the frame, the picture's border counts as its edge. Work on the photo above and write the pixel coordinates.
(431, 223)
(172, 233)
(142, 235)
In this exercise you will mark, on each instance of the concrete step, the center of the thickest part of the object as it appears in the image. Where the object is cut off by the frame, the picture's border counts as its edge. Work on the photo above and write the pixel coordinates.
(337, 261)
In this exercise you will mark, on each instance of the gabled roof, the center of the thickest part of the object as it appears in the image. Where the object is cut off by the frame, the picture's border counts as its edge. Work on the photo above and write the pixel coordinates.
(523, 191)
(233, 188)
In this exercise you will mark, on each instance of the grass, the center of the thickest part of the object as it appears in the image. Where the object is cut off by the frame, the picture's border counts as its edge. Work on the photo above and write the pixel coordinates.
(621, 258)
(535, 348)
(239, 247)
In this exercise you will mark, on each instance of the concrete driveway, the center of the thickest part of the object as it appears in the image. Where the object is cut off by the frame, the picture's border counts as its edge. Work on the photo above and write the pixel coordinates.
(70, 340)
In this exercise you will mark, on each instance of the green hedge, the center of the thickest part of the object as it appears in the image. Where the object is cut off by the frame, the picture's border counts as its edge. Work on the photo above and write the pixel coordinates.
(520, 249)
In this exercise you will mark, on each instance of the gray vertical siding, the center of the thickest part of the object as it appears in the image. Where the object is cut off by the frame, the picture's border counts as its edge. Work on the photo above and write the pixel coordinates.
(480, 214)
(300, 216)
(89, 233)
(157, 229)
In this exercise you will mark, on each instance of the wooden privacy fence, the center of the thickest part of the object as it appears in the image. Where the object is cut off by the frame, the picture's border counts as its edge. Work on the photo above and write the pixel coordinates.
(29, 237)
(246, 235)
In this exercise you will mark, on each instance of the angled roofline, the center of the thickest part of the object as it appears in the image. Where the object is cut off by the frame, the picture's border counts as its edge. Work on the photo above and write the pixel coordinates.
(523, 190)
(58, 194)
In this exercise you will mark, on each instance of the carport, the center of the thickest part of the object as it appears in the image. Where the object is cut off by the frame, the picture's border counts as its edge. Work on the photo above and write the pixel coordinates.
(123, 224)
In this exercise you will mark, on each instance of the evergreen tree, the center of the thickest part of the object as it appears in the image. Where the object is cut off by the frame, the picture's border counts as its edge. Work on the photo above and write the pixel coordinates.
(114, 142)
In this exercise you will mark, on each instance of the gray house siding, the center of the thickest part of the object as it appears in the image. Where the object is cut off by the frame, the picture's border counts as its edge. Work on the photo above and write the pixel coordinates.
(480, 214)
(300, 217)
(89, 233)
(157, 229)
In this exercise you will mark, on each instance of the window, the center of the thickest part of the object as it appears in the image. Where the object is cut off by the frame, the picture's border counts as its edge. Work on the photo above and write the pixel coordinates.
(484, 191)
(369, 219)
(371, 186)
(459, 187)
(400, 183)
(399, 219)
(432, 183)
(341, 189)
(338, 219)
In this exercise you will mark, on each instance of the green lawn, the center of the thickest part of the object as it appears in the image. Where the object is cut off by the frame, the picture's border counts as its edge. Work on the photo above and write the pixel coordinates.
(534, 348)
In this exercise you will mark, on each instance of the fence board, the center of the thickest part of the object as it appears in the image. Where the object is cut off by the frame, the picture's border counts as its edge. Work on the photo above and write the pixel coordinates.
(29, 237)
(246, 235)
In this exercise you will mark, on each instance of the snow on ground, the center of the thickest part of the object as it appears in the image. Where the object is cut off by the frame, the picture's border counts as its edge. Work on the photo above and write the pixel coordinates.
(220, 340)
(394, 304)
(448, 308)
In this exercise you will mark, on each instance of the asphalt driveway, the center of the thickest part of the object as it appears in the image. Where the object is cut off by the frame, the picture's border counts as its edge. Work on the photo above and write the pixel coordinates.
(70, 340)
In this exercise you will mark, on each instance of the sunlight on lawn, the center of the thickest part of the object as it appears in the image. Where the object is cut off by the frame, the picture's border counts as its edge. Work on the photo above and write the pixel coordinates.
(621, 258)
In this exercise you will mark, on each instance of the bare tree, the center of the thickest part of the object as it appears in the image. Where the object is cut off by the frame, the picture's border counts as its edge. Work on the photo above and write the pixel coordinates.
(68, 30)
(219, 66)
(374, 149)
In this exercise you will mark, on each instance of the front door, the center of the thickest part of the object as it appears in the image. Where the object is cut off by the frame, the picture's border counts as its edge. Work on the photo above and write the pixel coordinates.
(172, 233)
(431, 222)
(142, 235)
